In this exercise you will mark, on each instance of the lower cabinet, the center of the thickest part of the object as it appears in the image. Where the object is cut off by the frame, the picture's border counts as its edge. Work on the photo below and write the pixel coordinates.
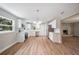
(21, 36)
(55, 37)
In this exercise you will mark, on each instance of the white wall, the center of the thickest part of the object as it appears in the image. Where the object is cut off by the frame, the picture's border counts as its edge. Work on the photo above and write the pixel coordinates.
(57, 31)
(6, 40)
(9, 38)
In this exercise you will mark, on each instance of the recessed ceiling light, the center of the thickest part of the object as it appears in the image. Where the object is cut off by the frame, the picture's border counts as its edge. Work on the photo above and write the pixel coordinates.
(37, 10)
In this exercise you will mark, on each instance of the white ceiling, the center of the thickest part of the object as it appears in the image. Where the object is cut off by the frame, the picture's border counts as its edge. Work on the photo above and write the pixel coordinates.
(71, 19)
(47, 11)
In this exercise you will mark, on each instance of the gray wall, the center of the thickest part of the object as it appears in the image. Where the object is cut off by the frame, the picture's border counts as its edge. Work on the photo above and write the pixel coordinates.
(75, 29)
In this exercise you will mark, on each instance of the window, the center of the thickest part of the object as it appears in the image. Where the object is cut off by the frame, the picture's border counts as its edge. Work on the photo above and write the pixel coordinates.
(5, 24)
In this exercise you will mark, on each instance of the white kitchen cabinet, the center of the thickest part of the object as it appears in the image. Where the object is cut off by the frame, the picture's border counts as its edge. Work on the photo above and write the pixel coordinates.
(55, 37)
(21, 36)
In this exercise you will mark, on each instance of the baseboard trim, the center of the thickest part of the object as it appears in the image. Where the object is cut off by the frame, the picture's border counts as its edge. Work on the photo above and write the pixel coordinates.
(66, 35)
(8, 47)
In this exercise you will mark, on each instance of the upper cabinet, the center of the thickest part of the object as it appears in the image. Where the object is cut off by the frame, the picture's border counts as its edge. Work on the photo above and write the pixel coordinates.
(53, 24)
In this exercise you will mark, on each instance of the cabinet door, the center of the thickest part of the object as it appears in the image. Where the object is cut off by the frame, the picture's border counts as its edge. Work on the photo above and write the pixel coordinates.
(21, 37)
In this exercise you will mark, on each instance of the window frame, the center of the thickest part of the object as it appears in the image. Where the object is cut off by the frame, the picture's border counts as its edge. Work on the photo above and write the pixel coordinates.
(12, 25)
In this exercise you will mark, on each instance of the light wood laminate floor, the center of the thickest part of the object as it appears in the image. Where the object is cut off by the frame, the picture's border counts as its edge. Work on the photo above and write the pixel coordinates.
(43, 46)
